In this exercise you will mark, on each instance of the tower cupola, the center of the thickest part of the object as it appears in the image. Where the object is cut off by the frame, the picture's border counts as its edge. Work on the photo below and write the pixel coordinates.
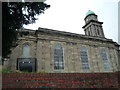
(92, 26)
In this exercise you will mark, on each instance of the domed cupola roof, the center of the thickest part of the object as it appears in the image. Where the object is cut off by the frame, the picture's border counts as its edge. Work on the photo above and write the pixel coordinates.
(89, 12)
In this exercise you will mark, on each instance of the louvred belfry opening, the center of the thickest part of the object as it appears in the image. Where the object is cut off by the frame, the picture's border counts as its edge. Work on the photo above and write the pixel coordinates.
(92, 26)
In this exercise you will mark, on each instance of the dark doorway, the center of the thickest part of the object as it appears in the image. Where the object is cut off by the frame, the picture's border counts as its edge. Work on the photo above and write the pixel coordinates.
(26, 66)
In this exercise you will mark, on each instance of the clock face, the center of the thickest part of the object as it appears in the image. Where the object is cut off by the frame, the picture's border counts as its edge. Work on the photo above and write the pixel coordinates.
(93, 17)
(86, 19)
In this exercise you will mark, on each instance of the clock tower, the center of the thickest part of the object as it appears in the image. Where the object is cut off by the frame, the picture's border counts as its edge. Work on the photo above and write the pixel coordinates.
(92, 26)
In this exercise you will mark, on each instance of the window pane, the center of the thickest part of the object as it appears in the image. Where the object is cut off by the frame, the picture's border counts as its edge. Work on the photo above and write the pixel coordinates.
(105, 59)
(58, 57)
(84, 58)
(26, 51)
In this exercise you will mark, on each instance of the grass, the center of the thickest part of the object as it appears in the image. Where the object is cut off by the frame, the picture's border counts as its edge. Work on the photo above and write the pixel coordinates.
(6, 70)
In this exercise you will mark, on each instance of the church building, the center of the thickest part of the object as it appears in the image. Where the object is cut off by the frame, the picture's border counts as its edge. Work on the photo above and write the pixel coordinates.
(53, 51)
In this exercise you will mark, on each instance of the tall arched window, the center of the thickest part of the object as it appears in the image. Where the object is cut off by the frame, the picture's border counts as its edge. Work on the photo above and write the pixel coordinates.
(26, 51)
(58, 57)
(84, 58)
(105, 59)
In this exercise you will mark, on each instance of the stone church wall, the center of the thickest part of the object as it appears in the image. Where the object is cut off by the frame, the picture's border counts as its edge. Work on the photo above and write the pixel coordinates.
(71, 48)
(41, 48)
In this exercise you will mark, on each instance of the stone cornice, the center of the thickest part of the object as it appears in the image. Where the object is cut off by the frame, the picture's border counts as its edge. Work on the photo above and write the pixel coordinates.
(63, 33)
(50, 31)
(90, 22)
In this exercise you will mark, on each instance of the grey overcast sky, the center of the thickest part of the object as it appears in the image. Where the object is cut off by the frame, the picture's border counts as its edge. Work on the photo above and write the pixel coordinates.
(68, 15)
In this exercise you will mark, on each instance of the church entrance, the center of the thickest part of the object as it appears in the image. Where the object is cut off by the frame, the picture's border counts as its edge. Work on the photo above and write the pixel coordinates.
(26, 64)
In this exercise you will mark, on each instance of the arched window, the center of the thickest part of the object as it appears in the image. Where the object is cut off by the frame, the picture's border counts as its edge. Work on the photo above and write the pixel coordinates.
(105, 59)
(58, 57)
(26, 51)
(84, 58)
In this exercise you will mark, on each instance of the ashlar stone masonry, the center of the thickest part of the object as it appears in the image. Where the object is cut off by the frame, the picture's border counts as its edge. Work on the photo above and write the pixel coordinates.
(47, 50)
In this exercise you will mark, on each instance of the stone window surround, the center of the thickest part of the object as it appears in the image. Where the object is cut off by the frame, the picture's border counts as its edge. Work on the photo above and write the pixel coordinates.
(26, 54)
(105, 51)
(62, 57)
(83, 48)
